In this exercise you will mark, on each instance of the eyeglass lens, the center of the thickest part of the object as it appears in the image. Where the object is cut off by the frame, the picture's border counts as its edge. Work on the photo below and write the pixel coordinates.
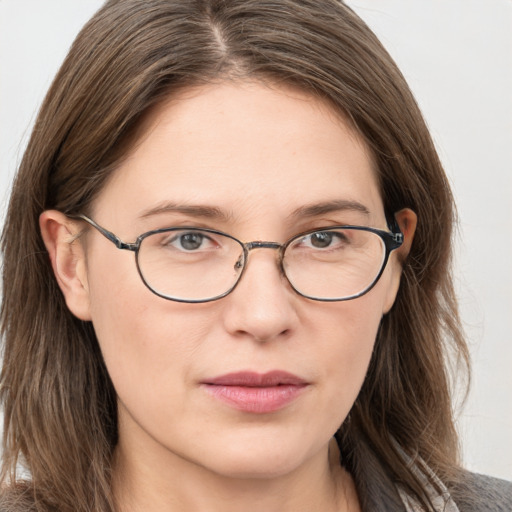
(192, 264)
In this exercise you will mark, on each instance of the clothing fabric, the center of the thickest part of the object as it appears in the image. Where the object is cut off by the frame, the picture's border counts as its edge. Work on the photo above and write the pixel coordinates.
(487, 495)
(441, 498)
(478, 493)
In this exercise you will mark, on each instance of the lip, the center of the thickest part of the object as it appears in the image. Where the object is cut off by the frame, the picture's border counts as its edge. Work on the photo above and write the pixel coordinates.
(257, 393)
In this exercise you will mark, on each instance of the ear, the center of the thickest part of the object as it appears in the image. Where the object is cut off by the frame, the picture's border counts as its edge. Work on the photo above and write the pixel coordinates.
(67, 256)
(407, 221)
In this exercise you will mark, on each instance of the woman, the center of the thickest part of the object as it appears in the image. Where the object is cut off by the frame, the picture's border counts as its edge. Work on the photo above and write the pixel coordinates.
(280, 341)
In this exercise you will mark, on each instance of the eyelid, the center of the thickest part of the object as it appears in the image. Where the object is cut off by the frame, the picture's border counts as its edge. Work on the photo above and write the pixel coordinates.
(326, 224)
(337, 233)
(172, 238)
(327, 228)
(210, 231)
(177, 231)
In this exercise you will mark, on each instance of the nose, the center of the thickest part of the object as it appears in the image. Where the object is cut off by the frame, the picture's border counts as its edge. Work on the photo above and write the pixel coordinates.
(261, 307)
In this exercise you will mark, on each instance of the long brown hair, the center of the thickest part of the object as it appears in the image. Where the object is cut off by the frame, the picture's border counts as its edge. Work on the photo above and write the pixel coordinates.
(59, 403)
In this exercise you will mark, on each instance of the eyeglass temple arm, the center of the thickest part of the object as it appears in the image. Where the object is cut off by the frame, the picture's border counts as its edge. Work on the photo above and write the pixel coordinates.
(108, 234)
(396, 233)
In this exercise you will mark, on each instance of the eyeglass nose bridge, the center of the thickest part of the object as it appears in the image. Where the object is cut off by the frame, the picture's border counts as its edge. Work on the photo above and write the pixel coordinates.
(259, 244)
(262, 245)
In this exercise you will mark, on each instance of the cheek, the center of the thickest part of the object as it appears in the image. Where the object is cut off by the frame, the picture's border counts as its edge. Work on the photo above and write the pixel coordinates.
(147, 342)
(151, 353)
(349, 334)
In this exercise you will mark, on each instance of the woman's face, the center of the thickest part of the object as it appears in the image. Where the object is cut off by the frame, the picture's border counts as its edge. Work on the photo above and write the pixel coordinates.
(251, 161)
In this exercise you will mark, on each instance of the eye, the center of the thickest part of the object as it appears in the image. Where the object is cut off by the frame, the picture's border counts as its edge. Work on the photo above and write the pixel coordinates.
(191, 241)
(321, 239)
(324, 239)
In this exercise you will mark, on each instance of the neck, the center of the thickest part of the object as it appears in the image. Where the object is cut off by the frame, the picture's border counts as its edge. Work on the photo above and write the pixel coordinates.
(150, 486)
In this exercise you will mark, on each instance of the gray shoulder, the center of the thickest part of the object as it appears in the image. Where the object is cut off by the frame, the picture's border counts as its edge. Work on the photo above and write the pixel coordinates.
(486, 494)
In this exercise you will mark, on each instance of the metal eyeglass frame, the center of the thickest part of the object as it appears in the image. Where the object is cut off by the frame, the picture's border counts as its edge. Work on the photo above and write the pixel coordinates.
(392, 239)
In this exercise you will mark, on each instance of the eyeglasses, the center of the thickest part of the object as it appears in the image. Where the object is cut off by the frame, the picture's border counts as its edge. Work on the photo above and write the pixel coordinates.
(191, 264)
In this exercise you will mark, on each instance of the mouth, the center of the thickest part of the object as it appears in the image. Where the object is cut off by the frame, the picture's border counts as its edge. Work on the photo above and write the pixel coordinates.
(255, 392)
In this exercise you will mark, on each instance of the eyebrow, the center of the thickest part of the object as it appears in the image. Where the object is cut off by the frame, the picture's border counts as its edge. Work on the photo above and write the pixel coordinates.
(215, 213)
(199, 211)
(316, 209)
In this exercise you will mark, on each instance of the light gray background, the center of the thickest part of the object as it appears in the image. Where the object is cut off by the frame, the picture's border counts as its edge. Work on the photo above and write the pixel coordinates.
(457, 57)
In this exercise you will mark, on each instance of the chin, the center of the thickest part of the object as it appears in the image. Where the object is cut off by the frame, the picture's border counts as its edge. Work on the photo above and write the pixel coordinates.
(258, 467)
(261, 458)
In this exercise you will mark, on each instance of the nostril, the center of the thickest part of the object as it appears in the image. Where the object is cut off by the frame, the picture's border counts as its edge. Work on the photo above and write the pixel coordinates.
(269, 337)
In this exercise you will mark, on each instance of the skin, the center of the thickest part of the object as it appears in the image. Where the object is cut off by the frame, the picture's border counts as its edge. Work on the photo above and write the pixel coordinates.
(257, 153)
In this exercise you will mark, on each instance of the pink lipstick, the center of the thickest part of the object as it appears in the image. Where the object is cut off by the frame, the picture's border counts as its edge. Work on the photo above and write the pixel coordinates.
(255, 392)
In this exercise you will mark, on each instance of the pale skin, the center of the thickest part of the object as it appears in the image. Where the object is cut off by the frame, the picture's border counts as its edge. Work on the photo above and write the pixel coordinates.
(258, 155)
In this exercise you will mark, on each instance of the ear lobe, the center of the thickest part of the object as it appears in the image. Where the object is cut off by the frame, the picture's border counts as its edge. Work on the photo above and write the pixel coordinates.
(67, 257)
(407, 221)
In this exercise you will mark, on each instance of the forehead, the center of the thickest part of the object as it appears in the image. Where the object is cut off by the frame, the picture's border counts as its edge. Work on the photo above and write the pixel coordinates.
(247, 149)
